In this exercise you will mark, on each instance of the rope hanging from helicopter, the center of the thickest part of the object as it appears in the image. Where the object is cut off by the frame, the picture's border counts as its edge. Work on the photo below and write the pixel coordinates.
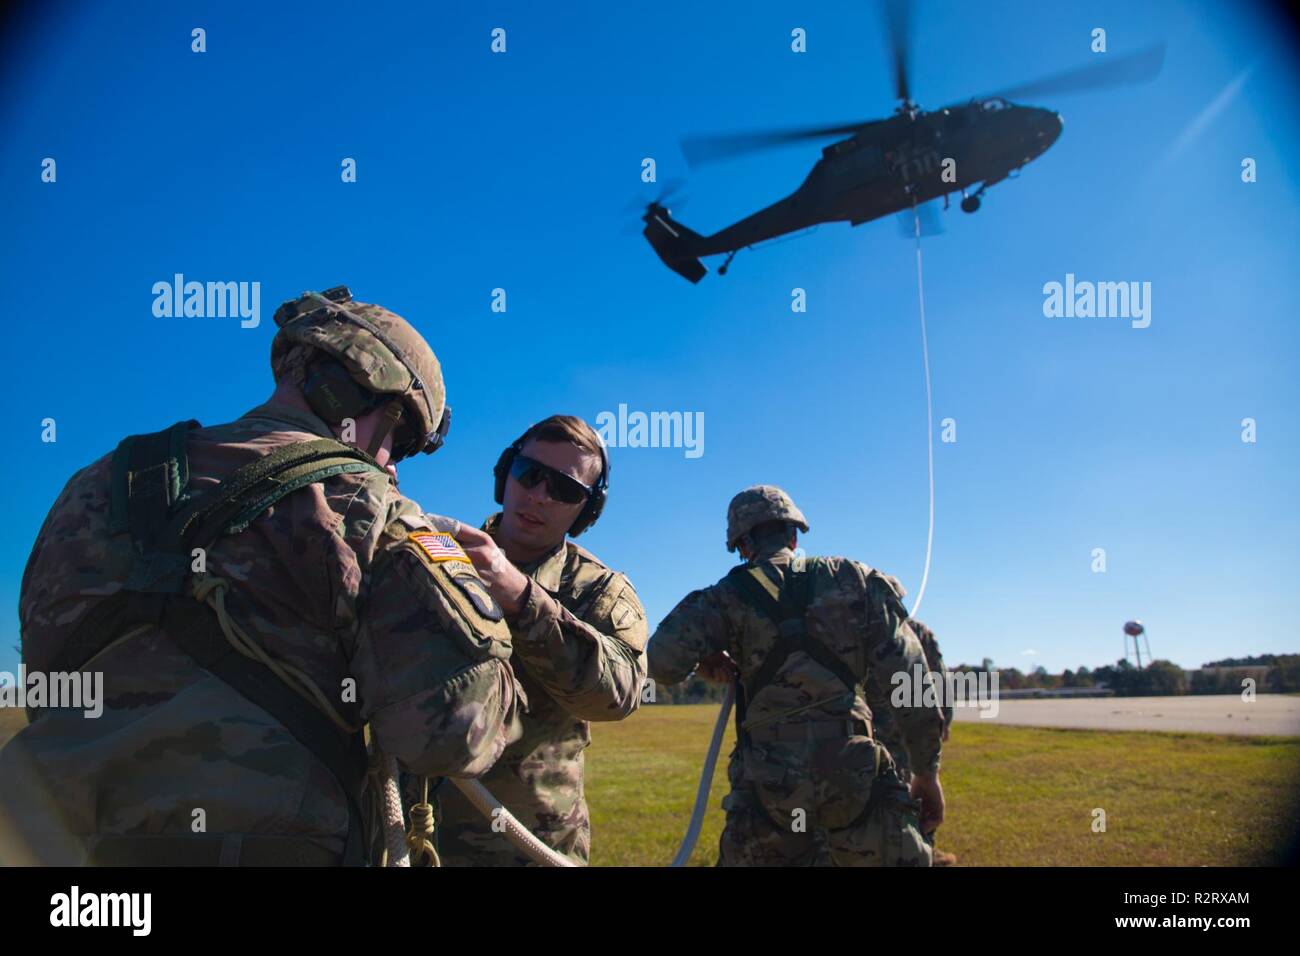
(929, 408)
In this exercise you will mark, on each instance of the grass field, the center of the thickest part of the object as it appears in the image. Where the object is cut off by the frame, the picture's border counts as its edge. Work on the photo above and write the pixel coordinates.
(1017, 796)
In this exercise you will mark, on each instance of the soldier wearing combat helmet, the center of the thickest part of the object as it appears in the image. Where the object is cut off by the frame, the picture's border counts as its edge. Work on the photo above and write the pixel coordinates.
(255, 593)
(809, 783)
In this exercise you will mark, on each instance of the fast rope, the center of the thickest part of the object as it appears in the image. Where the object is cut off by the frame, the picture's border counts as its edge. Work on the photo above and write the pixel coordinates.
(519, 835)
(711, 758)
(415, 845)
(929, 407)
(706, 779)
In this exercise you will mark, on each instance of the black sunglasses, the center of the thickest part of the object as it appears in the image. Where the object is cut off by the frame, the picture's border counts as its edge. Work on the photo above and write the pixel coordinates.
(406, 443)
(561, 487)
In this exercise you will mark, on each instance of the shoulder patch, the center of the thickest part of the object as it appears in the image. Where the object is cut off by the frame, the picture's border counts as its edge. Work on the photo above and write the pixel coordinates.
(441, 571)
(618, 607)
(472, 586)
(439, 546)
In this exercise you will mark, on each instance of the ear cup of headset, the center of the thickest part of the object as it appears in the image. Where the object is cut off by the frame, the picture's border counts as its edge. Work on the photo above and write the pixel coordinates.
(500, 470)
(596, 503)
(333, 394)
(587, 517)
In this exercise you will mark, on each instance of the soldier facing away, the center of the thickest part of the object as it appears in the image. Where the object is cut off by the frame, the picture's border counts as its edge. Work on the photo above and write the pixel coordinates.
(809, 783)
(579, 641)
(254, 593)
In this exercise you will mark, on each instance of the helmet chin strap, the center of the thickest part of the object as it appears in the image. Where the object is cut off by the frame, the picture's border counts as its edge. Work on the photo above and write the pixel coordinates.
(392, 415)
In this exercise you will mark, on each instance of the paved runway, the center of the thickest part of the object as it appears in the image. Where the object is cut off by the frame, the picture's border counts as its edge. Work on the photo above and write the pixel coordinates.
(1270, 714)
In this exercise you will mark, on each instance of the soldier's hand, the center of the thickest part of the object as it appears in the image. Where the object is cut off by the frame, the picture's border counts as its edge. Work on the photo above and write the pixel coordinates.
(507, 584)
(718, 668)
(944, 737)
(442, 523)
(925, 787)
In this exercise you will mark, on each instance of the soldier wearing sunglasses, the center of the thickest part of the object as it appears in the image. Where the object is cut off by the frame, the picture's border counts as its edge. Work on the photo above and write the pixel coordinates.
(579, 635)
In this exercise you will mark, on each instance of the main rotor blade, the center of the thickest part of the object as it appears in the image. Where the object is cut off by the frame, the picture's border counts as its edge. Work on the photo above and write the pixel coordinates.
(710, 149)
(896, 12)
(1133, 68)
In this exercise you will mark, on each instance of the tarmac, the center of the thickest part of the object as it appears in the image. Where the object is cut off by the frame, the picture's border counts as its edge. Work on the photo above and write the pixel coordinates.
(1266, 715)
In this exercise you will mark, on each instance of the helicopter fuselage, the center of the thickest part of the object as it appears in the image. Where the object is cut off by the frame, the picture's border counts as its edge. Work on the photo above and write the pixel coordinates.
(911, 157)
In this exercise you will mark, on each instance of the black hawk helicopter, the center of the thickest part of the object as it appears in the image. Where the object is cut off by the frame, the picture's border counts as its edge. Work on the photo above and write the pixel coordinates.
(890, 165)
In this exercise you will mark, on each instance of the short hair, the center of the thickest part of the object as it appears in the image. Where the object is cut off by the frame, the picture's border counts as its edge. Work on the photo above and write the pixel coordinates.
(770, 534)
(566, 428)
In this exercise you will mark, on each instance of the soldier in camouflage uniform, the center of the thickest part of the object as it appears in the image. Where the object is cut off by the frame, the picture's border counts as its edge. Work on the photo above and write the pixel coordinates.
(809, 784)
(887, 730)
(364, 612)
(579, 635)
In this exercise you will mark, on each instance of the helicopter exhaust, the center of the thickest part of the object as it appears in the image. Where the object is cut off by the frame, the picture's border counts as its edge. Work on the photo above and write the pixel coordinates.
(673, 242)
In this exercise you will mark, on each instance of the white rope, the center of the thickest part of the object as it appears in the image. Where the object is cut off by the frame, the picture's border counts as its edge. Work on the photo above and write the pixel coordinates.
(706, 779)
(929, 411)
(514, 831)
(396, 851)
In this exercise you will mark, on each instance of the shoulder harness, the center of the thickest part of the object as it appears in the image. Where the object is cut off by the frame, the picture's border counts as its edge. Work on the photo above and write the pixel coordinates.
(787, 608)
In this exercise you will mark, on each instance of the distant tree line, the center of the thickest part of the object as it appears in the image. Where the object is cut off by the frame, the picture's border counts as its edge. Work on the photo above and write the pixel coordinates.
(1260, 660)
(1272, 673)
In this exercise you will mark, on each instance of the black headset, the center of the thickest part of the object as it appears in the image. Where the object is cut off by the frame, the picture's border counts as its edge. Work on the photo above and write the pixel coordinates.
(334, 395)
(595, 501)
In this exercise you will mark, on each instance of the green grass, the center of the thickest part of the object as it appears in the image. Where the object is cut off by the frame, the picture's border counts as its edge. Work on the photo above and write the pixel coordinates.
(1016, 796)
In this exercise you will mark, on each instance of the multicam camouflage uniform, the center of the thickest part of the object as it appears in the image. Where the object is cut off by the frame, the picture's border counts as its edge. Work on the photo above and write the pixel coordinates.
(331, 580)
(887, 729)
(808, 783)
(579, 653)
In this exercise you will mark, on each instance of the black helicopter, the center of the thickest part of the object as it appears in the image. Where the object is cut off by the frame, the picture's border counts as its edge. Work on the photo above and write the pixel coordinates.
(890, 165)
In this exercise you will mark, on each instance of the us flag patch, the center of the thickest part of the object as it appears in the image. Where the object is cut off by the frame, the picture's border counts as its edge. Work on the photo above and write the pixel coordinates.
(439, 546)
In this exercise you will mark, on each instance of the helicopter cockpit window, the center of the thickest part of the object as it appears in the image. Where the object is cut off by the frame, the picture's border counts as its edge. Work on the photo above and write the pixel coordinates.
(996, 103)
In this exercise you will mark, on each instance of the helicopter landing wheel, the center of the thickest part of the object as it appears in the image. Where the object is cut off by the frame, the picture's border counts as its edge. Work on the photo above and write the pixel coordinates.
(970, 203)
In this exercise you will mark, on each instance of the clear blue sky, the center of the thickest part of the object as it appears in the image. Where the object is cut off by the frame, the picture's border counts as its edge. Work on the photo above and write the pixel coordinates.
(479, 171)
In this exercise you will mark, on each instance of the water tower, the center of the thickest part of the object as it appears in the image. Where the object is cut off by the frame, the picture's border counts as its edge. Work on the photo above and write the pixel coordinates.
(1135, 630)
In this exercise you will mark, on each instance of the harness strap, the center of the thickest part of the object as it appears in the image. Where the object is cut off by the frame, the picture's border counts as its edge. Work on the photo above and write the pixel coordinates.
(150, 474)
(788, 614)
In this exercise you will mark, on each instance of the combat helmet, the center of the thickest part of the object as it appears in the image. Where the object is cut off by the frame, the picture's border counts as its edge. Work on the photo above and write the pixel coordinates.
(382, 355)
(757, 504)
